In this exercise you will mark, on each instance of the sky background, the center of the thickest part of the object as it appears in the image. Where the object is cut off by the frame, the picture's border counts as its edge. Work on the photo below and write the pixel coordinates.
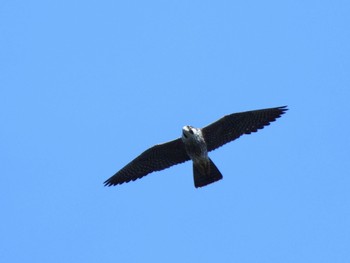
(86, 86)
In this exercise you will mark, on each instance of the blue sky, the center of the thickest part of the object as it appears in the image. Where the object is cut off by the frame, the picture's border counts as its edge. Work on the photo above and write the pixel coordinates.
(86, 86)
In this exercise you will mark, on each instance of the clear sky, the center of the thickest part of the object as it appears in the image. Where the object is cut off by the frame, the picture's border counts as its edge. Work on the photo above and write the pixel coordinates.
(86, 86)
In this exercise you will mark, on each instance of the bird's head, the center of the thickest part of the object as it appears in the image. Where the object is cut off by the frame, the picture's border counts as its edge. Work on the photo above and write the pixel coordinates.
(187, 132)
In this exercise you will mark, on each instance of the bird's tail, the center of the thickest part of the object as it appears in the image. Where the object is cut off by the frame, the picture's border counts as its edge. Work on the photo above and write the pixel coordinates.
(204, 175)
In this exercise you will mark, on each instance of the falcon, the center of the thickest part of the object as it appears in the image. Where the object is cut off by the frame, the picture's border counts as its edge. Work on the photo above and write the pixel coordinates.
(194, 144)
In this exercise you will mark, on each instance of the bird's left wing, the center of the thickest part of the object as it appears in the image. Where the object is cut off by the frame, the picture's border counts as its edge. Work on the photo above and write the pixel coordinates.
(156, 158)
(231, 127)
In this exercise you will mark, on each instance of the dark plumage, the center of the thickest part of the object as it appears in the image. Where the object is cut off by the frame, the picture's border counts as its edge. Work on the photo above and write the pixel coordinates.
(213, 136)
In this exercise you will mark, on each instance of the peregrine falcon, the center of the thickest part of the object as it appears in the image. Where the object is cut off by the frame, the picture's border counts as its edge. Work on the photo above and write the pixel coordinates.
(194, 144)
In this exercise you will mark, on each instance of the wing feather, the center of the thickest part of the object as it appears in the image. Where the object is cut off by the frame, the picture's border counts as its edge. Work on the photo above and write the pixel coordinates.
(232, 126)
(156, 158)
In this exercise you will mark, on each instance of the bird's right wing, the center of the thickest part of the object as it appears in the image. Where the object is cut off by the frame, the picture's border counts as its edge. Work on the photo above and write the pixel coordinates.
(156, 158)
(231, 127)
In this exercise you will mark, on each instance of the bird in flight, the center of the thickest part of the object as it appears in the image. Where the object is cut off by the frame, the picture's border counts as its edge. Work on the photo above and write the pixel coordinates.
(194, 144)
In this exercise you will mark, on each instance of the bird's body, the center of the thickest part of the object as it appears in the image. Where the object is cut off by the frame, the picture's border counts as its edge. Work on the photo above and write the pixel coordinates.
(194, 144)
(204, 170)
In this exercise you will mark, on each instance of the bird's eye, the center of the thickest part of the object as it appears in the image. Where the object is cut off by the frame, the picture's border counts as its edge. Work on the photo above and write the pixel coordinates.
(191, 131)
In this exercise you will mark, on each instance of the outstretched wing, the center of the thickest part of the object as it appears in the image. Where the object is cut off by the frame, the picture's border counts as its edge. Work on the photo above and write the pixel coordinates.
(156, 158)
(231, 127)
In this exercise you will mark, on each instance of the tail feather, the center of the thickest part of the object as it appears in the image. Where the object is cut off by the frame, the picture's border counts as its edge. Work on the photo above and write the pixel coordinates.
(203, 177)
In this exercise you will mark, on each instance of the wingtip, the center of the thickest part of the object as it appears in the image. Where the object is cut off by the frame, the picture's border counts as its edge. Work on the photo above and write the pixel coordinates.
(283, 108)
(108, 183)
